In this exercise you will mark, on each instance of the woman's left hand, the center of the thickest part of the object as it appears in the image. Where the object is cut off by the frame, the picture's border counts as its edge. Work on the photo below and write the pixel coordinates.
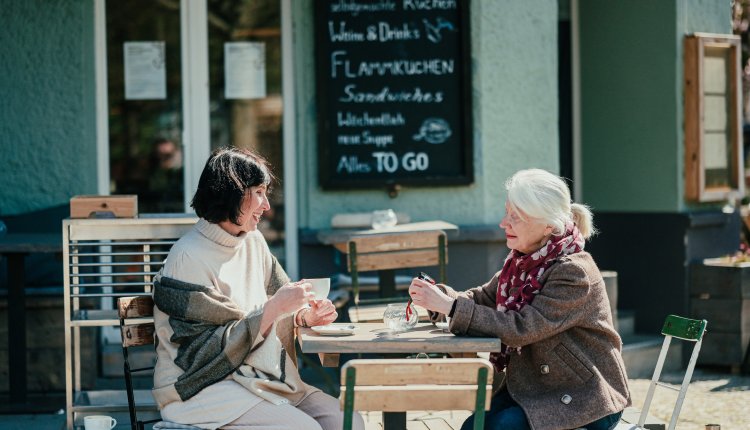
(321, 312)
(429, 296)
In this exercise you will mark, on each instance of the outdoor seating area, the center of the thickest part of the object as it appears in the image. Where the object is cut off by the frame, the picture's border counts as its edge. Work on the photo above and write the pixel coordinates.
(110, 263)
(375, 214)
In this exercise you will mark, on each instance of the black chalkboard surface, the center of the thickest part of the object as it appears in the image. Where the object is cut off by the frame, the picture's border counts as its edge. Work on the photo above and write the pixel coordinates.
(394, 93)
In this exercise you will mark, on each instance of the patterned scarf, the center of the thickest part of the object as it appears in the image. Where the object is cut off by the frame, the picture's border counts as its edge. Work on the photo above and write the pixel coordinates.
(519, 279)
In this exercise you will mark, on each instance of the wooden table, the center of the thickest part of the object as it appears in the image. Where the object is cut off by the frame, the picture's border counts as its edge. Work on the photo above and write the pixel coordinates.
(375, 338)
(339, 238)
(15, 247)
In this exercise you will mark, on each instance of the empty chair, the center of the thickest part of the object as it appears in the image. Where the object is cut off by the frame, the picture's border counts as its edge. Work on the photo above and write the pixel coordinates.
(401, 385)
(683, 329)
(384, 253)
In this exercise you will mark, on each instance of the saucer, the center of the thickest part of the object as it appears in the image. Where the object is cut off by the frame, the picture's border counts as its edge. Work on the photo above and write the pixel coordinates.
(334, 329)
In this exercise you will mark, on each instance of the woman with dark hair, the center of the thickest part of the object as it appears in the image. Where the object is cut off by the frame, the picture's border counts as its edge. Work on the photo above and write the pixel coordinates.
(560, 366)
(225, 315)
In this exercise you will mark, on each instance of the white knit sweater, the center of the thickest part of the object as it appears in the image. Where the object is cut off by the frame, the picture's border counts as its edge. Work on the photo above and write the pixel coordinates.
(239, 267)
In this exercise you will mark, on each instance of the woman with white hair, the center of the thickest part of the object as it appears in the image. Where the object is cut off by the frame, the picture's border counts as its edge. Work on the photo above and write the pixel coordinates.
(560, 366)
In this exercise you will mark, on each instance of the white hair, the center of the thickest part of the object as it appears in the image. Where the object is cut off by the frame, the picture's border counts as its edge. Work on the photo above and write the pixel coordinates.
(544, 196)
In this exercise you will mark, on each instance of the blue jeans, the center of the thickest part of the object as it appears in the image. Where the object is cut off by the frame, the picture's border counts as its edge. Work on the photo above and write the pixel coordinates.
(506, 414)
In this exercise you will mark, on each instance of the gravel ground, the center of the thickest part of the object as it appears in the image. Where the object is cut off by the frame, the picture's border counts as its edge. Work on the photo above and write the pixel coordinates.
(712, 398)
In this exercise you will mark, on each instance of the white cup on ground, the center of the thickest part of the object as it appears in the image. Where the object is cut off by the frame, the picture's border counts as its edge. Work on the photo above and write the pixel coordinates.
(320, 286)
(99, 422)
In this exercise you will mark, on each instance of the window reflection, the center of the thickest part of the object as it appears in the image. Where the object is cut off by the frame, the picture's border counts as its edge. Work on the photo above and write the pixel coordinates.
(144, 145)
(250, 123)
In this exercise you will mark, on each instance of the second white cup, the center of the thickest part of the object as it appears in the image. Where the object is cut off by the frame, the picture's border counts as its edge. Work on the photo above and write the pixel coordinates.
(99, 422)
(321, 287)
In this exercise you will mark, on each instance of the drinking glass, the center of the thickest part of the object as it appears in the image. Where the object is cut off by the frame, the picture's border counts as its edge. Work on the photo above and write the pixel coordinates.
(395, 318)
(383, 219)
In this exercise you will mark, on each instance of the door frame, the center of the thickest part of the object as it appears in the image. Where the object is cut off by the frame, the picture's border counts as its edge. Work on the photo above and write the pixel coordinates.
(196, 135)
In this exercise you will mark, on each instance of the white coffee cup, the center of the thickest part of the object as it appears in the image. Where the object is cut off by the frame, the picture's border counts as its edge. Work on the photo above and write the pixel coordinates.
(99, 422)
(320, 286)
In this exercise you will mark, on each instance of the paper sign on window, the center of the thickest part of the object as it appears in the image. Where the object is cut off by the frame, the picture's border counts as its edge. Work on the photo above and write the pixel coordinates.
(145, 71)
(245, 70)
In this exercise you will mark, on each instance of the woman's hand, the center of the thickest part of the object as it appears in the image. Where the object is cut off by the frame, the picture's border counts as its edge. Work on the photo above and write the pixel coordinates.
(429, 296)
(321, 312)
(290, 298)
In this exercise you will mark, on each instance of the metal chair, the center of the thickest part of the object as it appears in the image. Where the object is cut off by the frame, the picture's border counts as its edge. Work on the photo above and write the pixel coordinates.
(137, 329)
(683, 329)
(401, 385)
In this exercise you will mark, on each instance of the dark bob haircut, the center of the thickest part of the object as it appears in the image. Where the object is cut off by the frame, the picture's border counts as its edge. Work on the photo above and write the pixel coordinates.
(227, 175)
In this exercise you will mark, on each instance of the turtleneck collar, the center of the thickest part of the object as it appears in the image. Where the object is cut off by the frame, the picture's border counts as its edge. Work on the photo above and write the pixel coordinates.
(218, 235)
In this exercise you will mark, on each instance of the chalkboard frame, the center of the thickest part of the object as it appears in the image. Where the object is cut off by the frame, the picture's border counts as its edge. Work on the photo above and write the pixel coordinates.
(329, 180)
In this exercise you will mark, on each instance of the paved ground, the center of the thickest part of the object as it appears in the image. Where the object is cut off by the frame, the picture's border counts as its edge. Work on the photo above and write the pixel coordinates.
(713, 398)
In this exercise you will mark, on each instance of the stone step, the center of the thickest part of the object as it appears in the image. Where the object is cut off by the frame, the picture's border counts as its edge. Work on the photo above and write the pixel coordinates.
(640, 353)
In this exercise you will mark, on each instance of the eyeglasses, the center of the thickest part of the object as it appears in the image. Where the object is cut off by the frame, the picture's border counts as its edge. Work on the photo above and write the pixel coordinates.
(513, 218)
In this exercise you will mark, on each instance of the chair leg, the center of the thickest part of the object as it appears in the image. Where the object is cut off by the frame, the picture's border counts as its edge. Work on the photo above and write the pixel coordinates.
(685, 384)
(654, 379)
(351, 377)
(481, 399)
(129, 391)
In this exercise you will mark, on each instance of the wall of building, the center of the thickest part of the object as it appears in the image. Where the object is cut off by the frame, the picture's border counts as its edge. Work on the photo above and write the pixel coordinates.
(47, 130)
(514, 81)
(631, 99)
(632, 144)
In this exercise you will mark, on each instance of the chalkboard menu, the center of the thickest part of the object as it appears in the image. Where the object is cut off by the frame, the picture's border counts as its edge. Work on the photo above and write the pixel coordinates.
(394, 93)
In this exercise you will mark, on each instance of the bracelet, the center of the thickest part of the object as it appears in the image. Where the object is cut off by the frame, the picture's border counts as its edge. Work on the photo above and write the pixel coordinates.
(302, 316)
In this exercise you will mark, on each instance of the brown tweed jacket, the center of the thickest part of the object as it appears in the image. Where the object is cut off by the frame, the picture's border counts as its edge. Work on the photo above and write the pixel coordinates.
(570, 371)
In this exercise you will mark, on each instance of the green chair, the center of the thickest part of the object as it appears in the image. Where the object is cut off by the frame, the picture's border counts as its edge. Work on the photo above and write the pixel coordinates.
(400, 385)
(683, 329)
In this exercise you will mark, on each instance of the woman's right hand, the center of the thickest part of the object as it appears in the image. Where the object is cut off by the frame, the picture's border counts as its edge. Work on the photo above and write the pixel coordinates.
(429, 296)
(291, 297)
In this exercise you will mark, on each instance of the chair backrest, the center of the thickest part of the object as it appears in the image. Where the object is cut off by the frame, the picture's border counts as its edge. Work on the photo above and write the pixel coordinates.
(684, 329)
(401, 385)
(390, 251)
(137, 329)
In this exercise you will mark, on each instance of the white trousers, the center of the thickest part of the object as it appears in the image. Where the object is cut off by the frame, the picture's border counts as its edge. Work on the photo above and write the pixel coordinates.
(318, 411)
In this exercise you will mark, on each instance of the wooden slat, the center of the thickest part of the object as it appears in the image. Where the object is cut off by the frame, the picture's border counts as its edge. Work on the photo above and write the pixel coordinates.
(135, 307)
(397, 259)
(120, 206)
(397, 241)
(693, 100)
(384, 372)
(137, 334)
(683, 328)
(374, 338)
(416, 397)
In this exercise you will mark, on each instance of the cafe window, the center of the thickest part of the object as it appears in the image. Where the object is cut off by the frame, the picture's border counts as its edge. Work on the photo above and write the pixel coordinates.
(713, 139)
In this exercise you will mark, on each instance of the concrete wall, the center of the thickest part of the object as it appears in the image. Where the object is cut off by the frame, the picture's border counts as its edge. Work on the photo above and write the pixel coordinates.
(631, 99)
(514, 62)
(47, 130)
